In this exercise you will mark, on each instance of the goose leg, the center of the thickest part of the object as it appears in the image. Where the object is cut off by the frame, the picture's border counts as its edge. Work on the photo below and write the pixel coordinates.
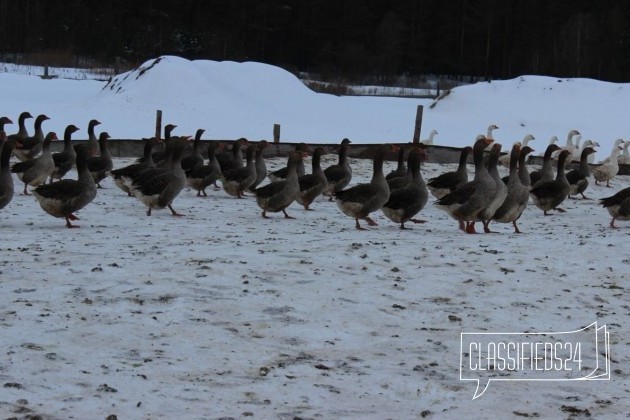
(515, 227)
(418, 220)
(25, 192)
(370, 221)
(264, 214)
(70, 225)
(470, 228)
(358, 226)
(612, 223)
(560, 209)
(173, 212)
(286, 216)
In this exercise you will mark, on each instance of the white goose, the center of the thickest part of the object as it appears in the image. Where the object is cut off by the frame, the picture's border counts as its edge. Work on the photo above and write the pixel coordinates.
(429, 140)
(568, 145)
(625, 155)
(505, 159)
(489, 136)
(607, 171)
(552, 140)
(589, 143)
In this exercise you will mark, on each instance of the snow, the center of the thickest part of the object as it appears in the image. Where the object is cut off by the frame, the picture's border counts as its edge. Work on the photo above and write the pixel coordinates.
(232, 100)
(225, 314)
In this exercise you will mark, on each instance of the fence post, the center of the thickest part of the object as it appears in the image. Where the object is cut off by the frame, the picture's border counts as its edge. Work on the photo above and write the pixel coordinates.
(418, 126)
(158, 124)
(276, 133)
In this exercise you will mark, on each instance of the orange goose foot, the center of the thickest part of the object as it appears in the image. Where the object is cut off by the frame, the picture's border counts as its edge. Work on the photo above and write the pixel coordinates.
(173, 212)
(370, 222)
(470, 227)
(286, 216)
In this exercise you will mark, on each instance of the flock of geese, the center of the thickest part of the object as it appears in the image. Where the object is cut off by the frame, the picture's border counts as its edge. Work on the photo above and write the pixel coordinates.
(158, 177)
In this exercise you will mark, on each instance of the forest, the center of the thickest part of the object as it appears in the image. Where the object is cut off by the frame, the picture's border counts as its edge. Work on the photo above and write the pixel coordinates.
(344, 39)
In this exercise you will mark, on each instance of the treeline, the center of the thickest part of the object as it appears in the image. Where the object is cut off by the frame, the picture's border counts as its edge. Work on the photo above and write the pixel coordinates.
(336, 38)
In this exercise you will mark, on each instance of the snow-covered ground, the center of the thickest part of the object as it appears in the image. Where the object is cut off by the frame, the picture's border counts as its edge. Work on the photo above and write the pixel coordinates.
(223, 314)
(232, 100)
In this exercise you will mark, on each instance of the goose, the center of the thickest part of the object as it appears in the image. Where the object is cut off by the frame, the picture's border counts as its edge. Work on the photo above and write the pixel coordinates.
(236, 181)
(618, 206)
(92, 138)
(22, 130)
(546, 172)
(523, 172)
(362, 199)
(578, 178)
(576, 151)
(505, 159)
(569, 145)
(100, 166)
(466, 202)
(340, 174)
(32, 145)
(500, 189)
(64, 160)
(312, 185)
(549, 195)
(194, 159)
(281, 173)
(278, 195)
(449, 181)
(160, 155)
(123, 176)
(3, 122)
(405, 202)
(67, 196)
(261, 167)
(625, 155)
(429, 141)
(608, 170)
(489, 135)
(201, 177)
(552, 140)
(234, 159)
(36, 171)
(517, 192)
(589, 143)
(401, 169)
(156, 188)
(6, 180)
